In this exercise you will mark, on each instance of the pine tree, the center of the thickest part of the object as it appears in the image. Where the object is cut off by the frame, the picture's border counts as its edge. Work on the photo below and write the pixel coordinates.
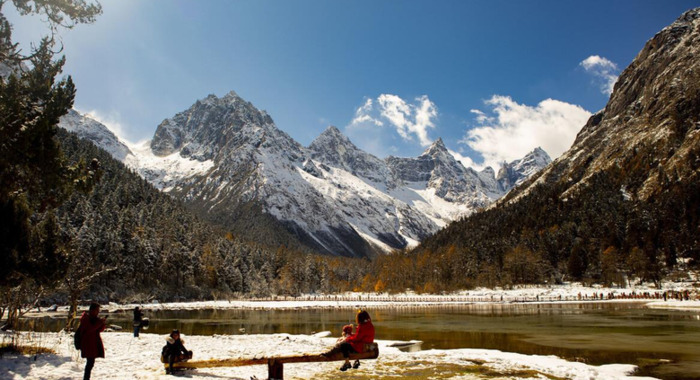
(33, 176)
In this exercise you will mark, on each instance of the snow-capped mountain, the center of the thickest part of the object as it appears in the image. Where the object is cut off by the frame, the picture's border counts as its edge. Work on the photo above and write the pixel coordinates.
(335, 149)
(513, 174)
(92, 130)
(223, 154)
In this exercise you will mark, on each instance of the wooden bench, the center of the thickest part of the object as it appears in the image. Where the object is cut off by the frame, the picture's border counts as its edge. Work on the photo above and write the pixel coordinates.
(275, 365)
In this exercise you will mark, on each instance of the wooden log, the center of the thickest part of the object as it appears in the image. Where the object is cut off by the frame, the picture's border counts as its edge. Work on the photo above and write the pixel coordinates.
(372, 352)
(219, 363)
(275, 370)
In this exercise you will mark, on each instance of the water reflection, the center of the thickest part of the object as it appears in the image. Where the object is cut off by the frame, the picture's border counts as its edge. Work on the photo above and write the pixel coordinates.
(665, 344)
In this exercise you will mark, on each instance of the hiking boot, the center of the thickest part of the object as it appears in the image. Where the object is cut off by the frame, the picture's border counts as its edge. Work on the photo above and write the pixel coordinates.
(356, 364)
(346, 366)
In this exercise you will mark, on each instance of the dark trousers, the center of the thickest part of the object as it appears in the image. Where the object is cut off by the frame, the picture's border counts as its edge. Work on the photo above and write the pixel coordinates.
(177, 358)
(346, 349)
(88, 368)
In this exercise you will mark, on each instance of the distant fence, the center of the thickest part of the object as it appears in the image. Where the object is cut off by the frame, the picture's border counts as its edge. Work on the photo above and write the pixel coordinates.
(502, 298)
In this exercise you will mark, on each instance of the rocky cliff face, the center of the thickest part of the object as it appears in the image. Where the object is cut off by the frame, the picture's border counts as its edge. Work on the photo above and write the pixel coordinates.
(622, 202)
(649, 128)
(332, 148)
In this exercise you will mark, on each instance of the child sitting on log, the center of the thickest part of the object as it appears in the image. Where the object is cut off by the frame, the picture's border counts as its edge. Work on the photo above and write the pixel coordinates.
(347, 331)
(174, 351)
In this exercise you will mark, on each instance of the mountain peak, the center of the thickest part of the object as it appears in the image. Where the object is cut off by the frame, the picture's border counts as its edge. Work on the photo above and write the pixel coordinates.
(539, 151)
(513, 173)
(438, 146)
(331, 137)
(212, 99)
(196, 132)
(538, 156)
(231, 94)
(333, 131)
(333, 148)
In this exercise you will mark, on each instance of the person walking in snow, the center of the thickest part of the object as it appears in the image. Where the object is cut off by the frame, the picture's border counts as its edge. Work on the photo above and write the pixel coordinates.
(138, 320)
(174, 351)
(91, 346)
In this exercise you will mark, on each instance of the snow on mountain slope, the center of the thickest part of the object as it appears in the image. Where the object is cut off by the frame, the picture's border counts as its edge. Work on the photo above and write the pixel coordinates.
(334, 149)
(167, 171)
(513, 174)
(92, 130)
(334, 196)
(162, 172)
(222, 153)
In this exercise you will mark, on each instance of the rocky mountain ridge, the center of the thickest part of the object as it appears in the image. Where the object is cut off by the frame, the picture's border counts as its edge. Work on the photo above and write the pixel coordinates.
(649, 119)
(622, 203)
(223, 155)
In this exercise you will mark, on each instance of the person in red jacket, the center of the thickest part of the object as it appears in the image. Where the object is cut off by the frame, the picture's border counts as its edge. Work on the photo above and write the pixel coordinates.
(91, 346)
(355, 343)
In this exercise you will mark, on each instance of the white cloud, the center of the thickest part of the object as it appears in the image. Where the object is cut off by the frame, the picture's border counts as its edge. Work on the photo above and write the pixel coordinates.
(603, 70)
(515, 129)
(481, 117)
(362, 115)
(408, 120)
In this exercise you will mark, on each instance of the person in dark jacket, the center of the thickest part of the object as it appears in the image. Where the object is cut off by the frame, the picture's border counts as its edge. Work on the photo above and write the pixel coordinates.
(91, 346)
(138, 320)
(174, 351)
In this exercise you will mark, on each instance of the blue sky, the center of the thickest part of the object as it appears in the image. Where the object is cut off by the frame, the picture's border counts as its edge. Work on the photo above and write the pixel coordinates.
(494, 79)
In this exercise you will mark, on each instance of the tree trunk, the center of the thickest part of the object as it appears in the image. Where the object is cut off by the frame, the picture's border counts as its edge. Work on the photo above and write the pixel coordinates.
(73, 309)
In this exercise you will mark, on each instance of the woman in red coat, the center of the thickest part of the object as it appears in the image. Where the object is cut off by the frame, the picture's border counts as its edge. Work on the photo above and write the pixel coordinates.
(91, 346)
(355, 343)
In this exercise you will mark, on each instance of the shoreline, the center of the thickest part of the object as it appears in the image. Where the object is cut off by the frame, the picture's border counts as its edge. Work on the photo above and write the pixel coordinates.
(61, 312)
(566, 294)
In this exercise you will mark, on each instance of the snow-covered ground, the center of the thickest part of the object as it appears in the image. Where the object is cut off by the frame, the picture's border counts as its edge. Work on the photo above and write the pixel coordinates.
(138, 358)
(131, 358)
(693, 305)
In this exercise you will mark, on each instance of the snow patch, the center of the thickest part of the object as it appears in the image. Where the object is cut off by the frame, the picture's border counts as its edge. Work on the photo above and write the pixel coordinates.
(139, 358)
(164, 172)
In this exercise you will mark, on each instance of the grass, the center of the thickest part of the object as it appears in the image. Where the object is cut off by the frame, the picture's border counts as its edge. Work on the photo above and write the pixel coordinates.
(424, 370)
(23, 344)
(11, 348)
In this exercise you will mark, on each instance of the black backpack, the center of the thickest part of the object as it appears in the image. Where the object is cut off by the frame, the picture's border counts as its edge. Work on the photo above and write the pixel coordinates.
(164, 354)
(77, 338)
